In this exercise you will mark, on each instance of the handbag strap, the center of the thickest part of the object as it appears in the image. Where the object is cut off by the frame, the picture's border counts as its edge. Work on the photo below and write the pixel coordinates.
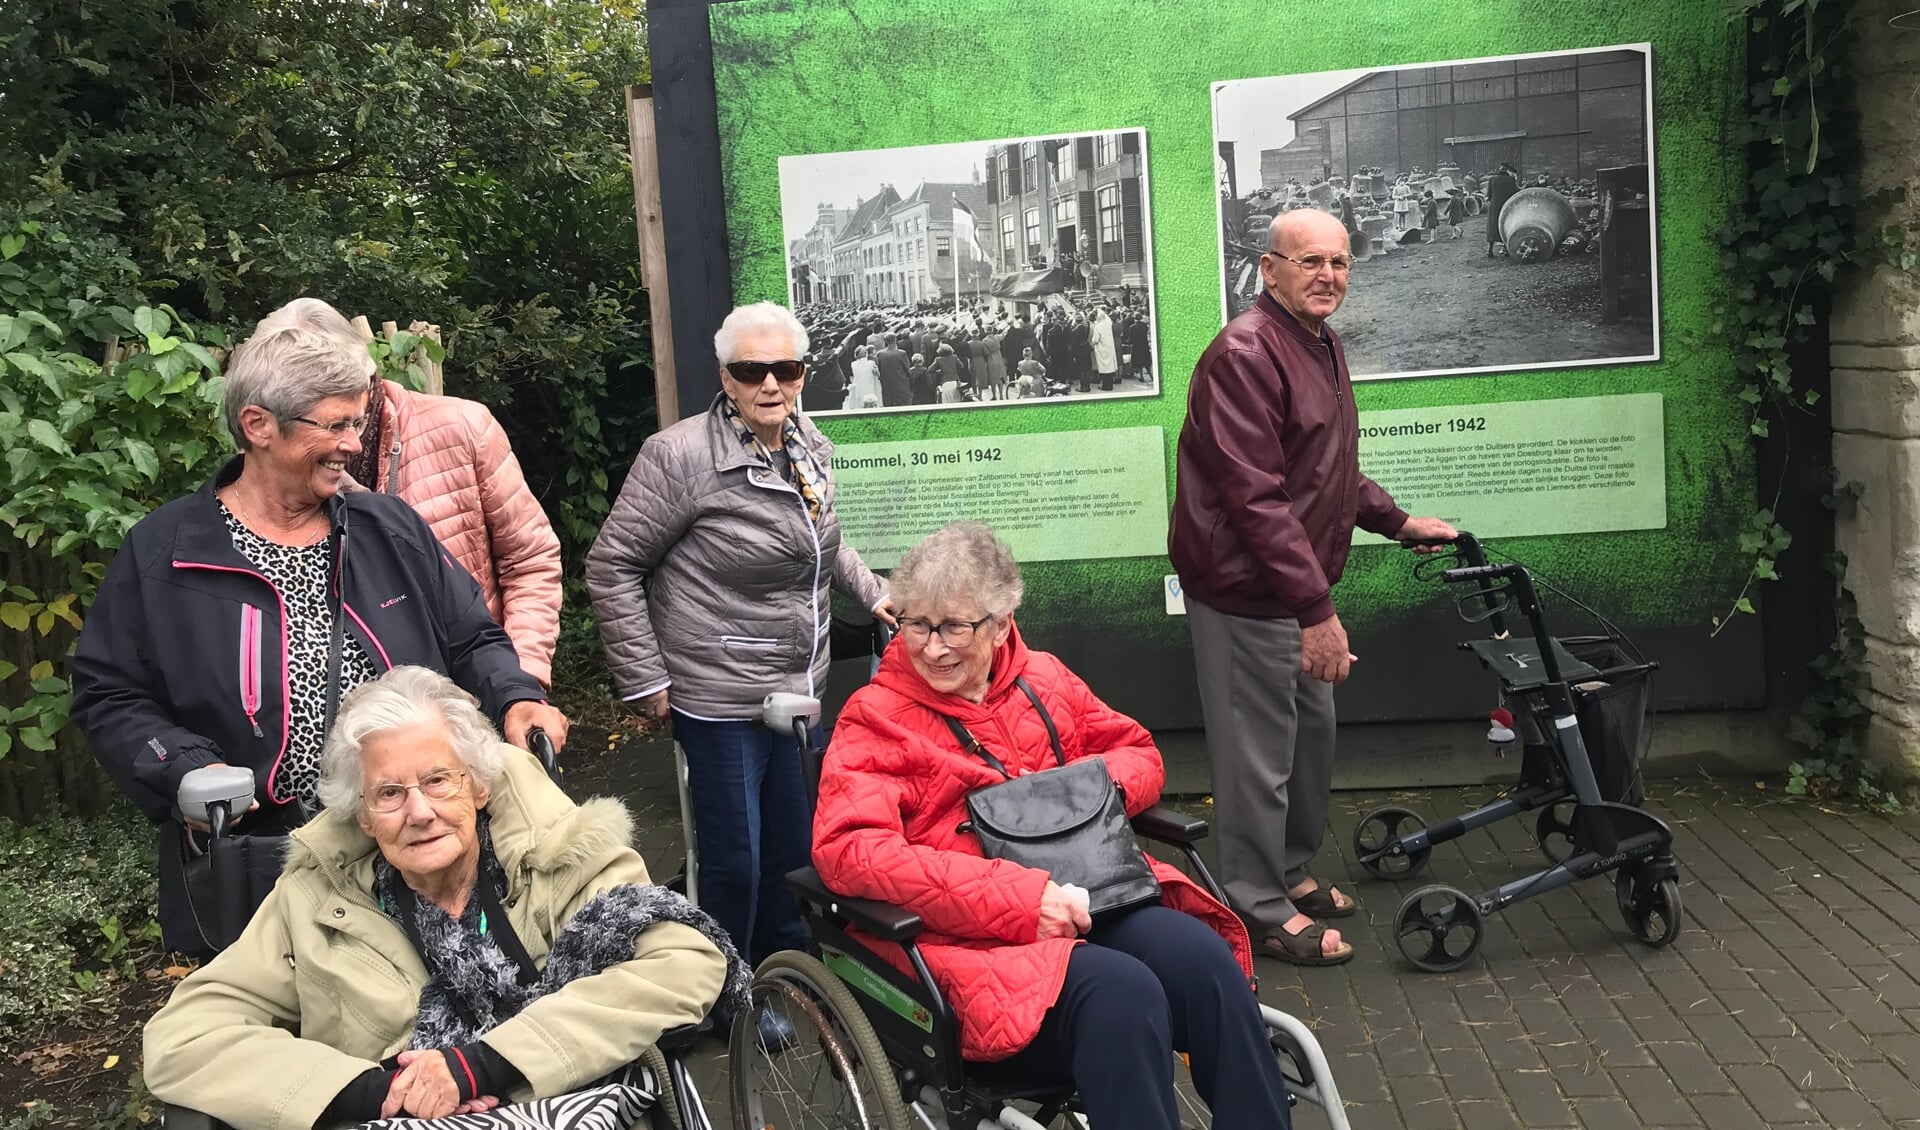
(336, 602)
(972, 744)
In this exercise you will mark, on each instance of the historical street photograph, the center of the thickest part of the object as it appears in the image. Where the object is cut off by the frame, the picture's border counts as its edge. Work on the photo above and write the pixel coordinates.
(1500, 211)
(1017, 271)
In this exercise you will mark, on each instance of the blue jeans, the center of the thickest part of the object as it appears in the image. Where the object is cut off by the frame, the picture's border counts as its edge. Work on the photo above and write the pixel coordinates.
(751, 826)
(1150, 982)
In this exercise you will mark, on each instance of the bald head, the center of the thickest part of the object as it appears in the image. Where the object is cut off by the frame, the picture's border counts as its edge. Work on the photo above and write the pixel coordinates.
(1302, 226)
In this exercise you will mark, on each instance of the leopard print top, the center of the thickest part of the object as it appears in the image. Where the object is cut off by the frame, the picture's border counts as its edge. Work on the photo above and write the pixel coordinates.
(300, 573)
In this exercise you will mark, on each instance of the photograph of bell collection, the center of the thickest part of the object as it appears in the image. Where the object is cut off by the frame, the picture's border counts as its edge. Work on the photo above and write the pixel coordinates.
(1014, 271)
(1501, 211)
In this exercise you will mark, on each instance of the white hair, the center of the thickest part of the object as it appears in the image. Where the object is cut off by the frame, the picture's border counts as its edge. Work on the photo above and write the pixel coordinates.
(404, 697)
(310, 314)
(758, 316)
(959, 563)
(287, 369)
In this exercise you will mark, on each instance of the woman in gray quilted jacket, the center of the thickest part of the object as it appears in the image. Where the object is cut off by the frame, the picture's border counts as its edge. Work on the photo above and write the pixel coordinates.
(710, 583)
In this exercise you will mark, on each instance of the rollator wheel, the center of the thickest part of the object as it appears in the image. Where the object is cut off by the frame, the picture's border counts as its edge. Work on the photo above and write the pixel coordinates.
(1652, 910)
(1376, 842)
(1438, 928)
(833, 1076)
(1555, 832)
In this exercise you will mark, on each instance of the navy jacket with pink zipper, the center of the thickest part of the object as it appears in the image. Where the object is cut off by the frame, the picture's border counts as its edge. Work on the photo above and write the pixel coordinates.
(182, 661)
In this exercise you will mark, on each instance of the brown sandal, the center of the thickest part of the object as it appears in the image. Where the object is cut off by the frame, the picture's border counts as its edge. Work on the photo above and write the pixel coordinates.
(1321, 903)
(1304, 948)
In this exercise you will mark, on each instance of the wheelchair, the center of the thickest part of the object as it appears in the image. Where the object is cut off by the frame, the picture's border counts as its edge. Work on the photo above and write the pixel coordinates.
(1578, 704)
(212, 795)
(880, 1050)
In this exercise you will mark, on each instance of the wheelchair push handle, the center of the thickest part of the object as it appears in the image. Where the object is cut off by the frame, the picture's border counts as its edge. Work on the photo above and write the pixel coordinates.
(211, 795)
(541, 746)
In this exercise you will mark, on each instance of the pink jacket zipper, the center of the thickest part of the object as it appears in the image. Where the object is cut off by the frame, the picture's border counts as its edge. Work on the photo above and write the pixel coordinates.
(286, 700)
(250, 665)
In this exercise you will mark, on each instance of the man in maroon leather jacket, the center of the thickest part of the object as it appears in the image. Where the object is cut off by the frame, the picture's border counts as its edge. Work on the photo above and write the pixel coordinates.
(1268, 493)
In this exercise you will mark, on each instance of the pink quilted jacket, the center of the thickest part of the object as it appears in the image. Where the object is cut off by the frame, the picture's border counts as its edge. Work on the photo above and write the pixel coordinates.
(893, 795)
(450, 460)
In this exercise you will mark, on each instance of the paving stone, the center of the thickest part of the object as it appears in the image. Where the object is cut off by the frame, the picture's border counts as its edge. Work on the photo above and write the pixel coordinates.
(1654, 1097)
(1893, 987)
(1805, 1064)
(1864, 1010)
(1466, 1073)
(1849, 1109)
(1903, 1051)
(1423, 1103)
(1691, 1069)
(1724, 1040)
(1358, 1075)
(1606, 1114)
(1537, 1099)
(1728, 1112)
(1888, 1089)
(1402, 1052)
(1509, 1048)
(1822, 969)
(1617, 1044)
(1834, 1036)
(1488, 1114)
(1364, 1114)
(1790, 990)
(1758, 1014)
(1587, 1079)
(1771, 1093)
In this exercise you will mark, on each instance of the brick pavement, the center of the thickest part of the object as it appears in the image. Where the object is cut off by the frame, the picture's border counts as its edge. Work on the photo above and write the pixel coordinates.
(1791, 998)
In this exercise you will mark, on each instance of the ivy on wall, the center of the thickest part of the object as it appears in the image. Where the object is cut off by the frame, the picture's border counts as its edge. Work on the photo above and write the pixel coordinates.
(1806, 226)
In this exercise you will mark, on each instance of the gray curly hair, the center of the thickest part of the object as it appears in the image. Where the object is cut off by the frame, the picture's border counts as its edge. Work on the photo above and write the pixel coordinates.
(403, 697)
(961, 562)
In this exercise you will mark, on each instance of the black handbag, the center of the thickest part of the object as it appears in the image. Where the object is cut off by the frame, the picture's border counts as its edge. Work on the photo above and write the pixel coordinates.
(1069, 821)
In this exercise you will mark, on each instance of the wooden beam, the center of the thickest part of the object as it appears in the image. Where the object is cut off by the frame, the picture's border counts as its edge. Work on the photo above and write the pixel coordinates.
(653, 246)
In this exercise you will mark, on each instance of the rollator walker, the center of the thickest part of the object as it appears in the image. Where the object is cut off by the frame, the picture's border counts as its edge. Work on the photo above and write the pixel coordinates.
(1569, 697)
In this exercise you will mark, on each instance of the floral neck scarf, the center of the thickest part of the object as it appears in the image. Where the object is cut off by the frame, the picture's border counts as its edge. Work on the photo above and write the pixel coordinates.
(800, 470)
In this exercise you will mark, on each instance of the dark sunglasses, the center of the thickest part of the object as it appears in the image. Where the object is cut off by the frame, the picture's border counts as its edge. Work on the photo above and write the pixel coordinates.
(754, 372)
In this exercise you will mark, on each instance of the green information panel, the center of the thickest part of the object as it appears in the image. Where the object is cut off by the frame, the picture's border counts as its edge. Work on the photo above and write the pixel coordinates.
(1053, 496)
(1527, 467)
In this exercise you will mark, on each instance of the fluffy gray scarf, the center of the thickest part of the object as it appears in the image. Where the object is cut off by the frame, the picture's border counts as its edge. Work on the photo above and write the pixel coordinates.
(474, 986)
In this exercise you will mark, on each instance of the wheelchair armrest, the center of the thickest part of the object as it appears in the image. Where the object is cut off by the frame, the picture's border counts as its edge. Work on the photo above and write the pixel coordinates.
(180, 1118)
(1169, 827)
(676, 1041)
(877, 918)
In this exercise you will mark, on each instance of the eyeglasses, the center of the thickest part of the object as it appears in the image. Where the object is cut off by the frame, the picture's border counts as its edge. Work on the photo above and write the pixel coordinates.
(440, 784)
(956, 633)
(1311, 264)
(755, 372)
(338, 428)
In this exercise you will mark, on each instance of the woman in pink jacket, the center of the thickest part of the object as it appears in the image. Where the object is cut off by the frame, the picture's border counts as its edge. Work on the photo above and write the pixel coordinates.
(449, 459)
(1038, 985)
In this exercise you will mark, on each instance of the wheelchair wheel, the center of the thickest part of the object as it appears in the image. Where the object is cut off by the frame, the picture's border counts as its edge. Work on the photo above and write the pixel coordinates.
(834, 1076)
(666, 1107)
(1376, 842)
(1652, 910)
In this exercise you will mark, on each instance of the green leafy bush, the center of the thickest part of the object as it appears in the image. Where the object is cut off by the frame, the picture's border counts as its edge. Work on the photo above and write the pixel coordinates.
(109, 409)
(80, 901)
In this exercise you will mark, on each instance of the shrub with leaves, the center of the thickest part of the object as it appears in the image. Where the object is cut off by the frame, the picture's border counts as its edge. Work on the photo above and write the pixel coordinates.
(110, 407)
(80, 900)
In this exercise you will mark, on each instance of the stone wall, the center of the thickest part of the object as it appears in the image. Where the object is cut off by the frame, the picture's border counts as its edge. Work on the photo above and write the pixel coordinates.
(1875, 336)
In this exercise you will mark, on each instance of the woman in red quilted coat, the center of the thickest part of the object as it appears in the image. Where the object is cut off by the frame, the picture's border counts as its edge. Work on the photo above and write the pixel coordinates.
(1038, 986)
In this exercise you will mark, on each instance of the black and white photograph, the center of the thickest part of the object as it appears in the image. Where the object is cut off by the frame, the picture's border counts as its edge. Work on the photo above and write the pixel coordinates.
(974, 274)
(1500, 211)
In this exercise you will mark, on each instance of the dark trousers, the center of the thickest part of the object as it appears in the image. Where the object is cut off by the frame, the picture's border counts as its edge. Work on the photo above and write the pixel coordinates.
(1148, 983)
(751, 826)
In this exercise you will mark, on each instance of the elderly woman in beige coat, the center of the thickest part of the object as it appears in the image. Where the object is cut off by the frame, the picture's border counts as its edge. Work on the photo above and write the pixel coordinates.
(416, 958)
